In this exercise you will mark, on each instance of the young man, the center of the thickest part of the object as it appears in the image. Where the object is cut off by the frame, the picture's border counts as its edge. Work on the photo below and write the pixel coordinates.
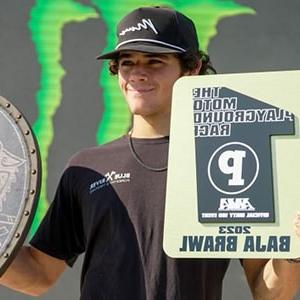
(110, 200)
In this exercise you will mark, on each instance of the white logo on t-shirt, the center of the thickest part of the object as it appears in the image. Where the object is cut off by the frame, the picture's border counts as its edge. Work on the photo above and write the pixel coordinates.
(109, 178)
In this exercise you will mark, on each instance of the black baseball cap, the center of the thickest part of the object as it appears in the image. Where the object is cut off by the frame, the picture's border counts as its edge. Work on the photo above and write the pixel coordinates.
(155, 30)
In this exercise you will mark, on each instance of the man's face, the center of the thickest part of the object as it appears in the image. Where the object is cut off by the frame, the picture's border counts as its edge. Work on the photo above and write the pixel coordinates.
(147, 81)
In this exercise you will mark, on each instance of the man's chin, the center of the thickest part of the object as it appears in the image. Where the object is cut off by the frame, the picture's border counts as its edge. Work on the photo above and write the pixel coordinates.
(140, 112)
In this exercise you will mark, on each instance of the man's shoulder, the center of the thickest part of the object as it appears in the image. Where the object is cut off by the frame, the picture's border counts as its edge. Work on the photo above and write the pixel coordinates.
(104, 151)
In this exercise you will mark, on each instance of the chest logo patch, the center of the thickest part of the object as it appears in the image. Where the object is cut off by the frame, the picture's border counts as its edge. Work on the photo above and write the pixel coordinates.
(109, 178)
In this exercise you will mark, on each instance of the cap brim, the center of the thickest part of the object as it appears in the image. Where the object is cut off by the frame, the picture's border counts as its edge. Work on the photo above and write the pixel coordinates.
(148, 48)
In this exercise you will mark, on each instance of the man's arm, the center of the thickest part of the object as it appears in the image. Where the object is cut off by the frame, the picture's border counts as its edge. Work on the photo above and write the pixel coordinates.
(272, 279)
(32, 272)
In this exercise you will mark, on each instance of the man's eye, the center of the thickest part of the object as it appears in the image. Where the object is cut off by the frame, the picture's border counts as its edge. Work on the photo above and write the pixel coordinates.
(126, 63)
(155, 61)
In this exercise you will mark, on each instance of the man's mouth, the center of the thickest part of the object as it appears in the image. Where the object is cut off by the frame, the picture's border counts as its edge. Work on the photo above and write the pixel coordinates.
(140, 89)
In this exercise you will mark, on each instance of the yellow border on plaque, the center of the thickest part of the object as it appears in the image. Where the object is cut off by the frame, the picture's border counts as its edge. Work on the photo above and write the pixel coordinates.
(281, 89)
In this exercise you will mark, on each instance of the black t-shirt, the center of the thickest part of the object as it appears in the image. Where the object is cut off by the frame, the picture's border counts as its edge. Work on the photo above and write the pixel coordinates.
(111, 208)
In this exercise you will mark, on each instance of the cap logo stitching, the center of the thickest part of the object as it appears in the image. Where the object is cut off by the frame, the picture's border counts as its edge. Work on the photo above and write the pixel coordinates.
(145, 24)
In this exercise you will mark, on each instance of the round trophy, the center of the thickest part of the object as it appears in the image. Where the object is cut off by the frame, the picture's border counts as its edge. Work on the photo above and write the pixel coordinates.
(20, 178)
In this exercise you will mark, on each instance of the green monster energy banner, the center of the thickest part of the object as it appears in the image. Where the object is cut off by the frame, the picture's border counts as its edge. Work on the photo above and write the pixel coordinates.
(232, 192)
(55, 25)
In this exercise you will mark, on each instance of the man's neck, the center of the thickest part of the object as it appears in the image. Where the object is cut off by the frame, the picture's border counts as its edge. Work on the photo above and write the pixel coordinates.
(150, 128)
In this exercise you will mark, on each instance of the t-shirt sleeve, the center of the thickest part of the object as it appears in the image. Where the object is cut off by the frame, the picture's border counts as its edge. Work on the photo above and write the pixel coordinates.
(60, 234)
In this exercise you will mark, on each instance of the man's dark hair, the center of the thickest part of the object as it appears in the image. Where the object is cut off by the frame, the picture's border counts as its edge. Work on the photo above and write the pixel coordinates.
(189, 61)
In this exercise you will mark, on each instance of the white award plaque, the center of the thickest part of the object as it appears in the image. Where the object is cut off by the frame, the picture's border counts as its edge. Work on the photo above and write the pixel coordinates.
(234, 166)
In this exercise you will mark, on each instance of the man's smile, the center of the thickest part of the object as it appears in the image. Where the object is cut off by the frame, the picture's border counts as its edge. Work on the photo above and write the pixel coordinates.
(140, 89)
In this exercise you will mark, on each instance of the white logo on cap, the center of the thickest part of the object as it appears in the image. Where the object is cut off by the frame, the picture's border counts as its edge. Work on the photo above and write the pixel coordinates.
(140, 26)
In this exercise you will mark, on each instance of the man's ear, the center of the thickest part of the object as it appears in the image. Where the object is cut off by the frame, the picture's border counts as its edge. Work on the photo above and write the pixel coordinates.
(196, 70)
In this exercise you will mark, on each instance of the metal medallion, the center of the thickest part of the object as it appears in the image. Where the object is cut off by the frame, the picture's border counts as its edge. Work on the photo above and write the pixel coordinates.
(20, 179)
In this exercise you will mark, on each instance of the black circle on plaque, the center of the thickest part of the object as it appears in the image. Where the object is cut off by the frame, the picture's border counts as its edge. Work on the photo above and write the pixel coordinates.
(241, 176)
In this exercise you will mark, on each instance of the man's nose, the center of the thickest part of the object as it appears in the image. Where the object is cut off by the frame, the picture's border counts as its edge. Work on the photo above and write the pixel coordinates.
(138, 73)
